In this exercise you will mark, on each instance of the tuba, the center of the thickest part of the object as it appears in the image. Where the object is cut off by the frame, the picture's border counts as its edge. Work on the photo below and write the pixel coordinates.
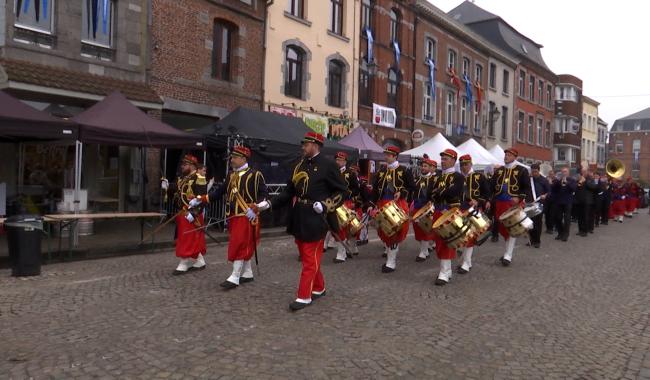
(615, 168)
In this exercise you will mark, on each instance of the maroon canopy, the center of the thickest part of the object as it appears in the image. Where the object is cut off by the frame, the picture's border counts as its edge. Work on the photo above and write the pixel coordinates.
(18, 121)
(115, 121)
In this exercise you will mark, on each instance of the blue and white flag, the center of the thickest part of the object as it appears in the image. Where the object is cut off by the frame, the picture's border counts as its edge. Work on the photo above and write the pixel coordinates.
(397, 52)
(371, 41)
(432, 79)
(468, 89)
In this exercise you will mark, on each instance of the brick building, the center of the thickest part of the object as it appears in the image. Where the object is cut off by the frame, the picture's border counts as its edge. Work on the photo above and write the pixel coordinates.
(206, 58)
(387, 76)
(629, 141)
(569, 124)
(444, 41)
(534, 81)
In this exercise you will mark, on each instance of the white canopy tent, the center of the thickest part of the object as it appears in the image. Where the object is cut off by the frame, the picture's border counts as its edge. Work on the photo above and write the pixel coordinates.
(481, 158)
(498, 153)
(433, 147)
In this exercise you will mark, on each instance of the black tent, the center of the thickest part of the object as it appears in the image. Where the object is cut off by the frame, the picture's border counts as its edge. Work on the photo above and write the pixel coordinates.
(274, 139)
(20, 122)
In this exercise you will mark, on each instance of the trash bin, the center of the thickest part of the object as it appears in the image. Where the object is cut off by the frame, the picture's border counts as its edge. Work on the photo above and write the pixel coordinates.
(24, 233)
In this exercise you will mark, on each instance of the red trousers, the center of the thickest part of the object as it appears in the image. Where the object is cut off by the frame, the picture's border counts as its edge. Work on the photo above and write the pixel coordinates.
(311, 278)
(400, 235)
(618, 207)
(442, 250)
(190, 244)
(631, 203)
(243, 239)
(499, 209)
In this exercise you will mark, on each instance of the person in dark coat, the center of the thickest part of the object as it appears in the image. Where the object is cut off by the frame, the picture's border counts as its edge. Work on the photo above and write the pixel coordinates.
(562, 190)
(541, 189)
(549, 219)
(584, 195)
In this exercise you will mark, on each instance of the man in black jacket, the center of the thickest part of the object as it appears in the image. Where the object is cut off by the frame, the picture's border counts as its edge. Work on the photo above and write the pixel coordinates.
(562, 189)
(585, 190)
(541, 190)
(314, 190)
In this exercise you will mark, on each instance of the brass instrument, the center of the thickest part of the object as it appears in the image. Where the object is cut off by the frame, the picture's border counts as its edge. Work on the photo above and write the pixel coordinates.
(615, 168)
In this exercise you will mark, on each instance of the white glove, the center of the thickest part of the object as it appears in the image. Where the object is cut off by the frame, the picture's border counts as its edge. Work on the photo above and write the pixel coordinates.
(189, 217)
(623, 197)
(195, 202)
(164, 184)
(318, 207)
(263, 205)
(250, 214)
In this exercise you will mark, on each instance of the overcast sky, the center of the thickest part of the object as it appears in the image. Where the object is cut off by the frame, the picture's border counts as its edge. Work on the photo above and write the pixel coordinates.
(604, 43)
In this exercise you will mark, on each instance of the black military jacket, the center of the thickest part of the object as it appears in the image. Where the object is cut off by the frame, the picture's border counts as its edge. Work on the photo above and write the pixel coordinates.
(476, 187)
(448, 190)
(389, 181)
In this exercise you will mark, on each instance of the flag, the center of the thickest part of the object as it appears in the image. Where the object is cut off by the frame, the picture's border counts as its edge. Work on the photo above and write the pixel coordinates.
(45, 9)
(454, 80)
(479, 92)
(432, 80)
(105, 17)
(371, 41)
(397, 52)
(468, 89)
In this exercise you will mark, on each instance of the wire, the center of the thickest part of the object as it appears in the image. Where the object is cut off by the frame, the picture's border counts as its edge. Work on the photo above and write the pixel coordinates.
(620, 96)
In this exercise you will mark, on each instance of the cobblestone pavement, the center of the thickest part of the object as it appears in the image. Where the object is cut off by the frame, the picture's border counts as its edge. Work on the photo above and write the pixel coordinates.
(578, 310)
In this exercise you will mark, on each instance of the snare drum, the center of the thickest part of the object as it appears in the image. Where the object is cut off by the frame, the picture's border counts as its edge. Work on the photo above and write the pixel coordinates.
(533, 209)
(348, 219)
(480, 225)
(516, 221)
(424, 218)
(391, 218)
(454, 228)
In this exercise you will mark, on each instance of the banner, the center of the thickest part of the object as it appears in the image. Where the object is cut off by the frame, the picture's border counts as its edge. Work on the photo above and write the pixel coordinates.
(338, 128)
(383, 116)
(316, 122)
(283, 111)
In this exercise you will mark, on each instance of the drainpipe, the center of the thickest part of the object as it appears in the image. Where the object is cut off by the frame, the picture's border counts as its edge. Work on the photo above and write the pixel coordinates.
(415, 64)
(266, 17)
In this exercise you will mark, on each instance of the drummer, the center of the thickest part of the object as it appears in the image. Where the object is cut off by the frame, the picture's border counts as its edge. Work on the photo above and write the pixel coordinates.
(448, 190)
(510, 184)
(352, 184)
(392, 183)
(421, 198)
(476, 194)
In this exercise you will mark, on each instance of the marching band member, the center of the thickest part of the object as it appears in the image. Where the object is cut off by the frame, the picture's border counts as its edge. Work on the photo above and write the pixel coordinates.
(349, 196)
(476, 194)
(246, 193)
(447, 193)
(510, 184)
(421, 196)
(190, 195)
(315, 190)
(618, 207)
(632, 199)
(392, 182)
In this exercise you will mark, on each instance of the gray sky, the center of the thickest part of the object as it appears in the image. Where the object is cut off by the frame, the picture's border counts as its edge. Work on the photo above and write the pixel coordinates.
(604, 43)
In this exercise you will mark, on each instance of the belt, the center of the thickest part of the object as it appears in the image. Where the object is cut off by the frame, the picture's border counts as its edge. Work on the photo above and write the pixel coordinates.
(305, 201)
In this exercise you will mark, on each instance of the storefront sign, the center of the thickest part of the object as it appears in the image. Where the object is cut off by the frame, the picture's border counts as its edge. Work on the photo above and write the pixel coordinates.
(383, 116)
(338, 128)
(316, 122)
(417, 135)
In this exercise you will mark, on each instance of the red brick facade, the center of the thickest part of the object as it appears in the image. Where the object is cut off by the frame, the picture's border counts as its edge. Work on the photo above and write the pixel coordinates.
(621, 147)
(182, 34)
(384, 59)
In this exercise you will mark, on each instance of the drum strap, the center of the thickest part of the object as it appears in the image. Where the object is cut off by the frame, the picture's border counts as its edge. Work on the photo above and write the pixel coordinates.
(532, 187)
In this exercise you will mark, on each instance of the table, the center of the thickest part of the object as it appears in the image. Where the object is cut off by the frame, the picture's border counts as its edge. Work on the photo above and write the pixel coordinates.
(65, 220)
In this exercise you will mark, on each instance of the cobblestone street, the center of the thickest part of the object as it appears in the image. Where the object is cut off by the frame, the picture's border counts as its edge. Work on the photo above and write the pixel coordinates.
(576, 310)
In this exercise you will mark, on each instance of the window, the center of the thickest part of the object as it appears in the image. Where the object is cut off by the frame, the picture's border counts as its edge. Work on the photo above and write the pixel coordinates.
(394, 26)
(637, 126)
(222, 50)
(520, 126)
(466, 65)
(493, 76)
(522, 83)
(293, 72)
(427, 106)
(531, 129)
(96, 24)
(430, 49)
(463, 111)
(477, 119)
(561, 93)
(479, 73)
(30, 15)
(619, 147)
(548, 134)
(366, 15)
(540, 132)
(297, 8)
(549, 96)
(335, 76)
(365, 82)
(491, 108)
(337, 17)
(540, 92)
(506, 82)
(504, 123)
(450, 107)
(393, 84)
(561, 154)
(531, 88)
(451, 59)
